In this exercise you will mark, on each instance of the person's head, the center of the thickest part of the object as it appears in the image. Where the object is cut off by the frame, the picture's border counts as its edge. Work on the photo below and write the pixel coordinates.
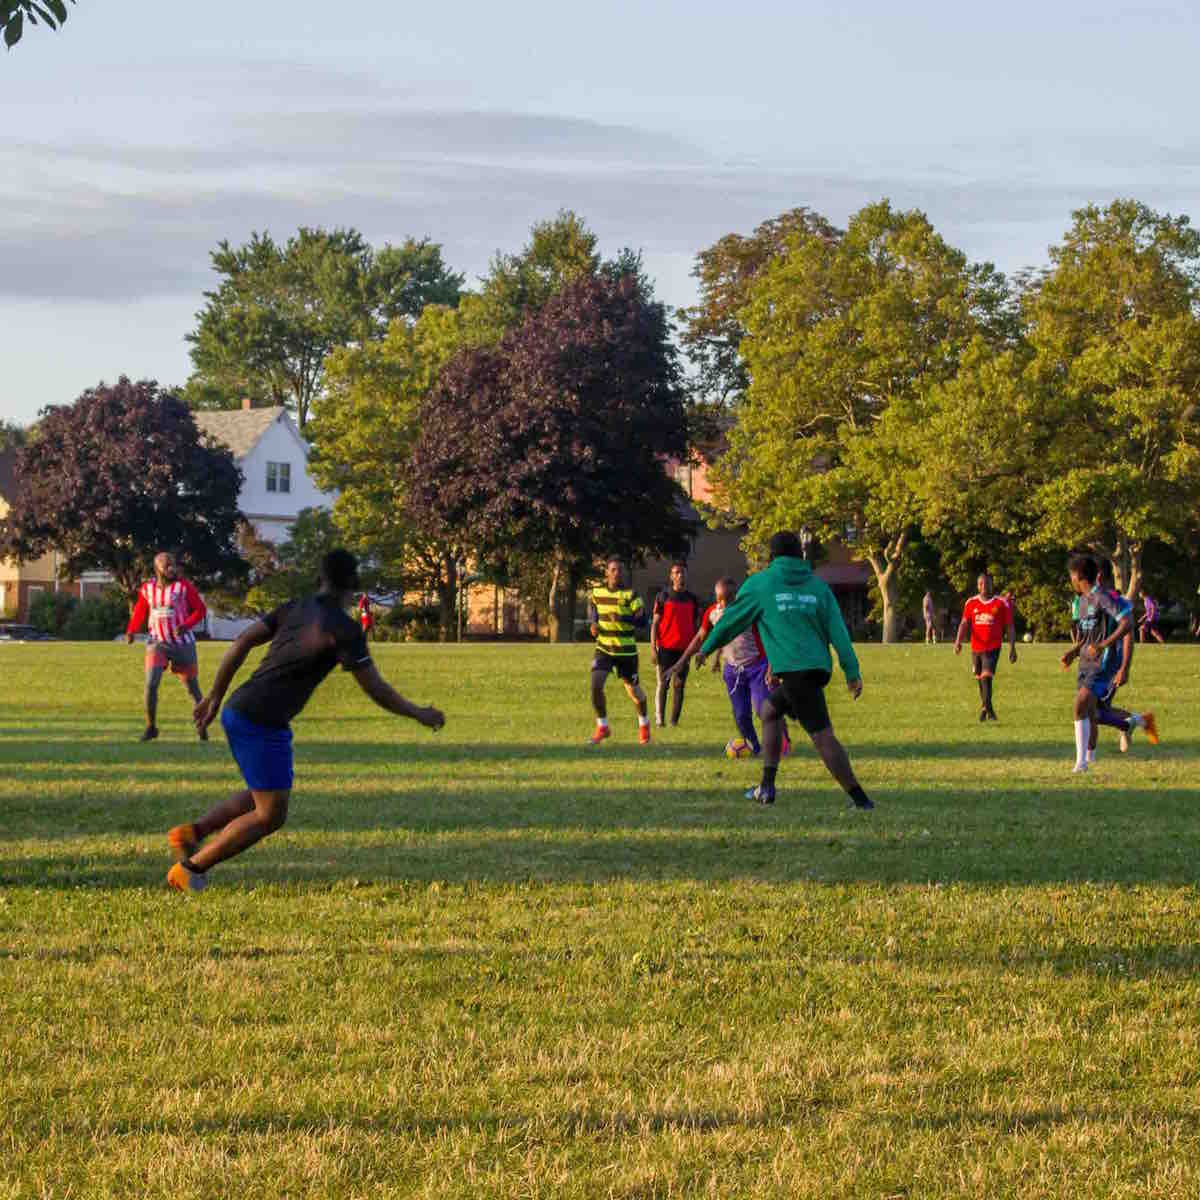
(164, 566)
(1083, 571)
(1104, 575)
(339, 573)
(679, 575)
(784, 544)
(614, 571)
(984, 584)
(725, 590)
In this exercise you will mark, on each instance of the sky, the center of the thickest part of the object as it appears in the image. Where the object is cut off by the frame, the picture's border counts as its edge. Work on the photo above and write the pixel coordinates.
(141, 134)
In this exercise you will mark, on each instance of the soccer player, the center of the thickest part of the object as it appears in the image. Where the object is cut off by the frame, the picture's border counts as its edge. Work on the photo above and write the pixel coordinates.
(308, 638)
(366, 617)
(614, 613)
(986, 617)
(931, 636)
(798, 619)
(1102, 624)
(1149, 621)
(743, 667)
(172, 608)
(673, 624)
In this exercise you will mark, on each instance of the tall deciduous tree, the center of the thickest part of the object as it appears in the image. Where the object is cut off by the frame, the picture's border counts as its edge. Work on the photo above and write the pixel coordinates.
(118, 476)
(845, 338)
(1114, 382)
(280, 310)
(553, 443)
(363, 436)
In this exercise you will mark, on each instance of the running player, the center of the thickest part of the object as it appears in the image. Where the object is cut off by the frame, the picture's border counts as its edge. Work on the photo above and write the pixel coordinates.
(743, 667)
(614, 613)
(676, 616)
(308, 638)
(172, 608)
(986, 617)
(798, 618)
(1102, 625)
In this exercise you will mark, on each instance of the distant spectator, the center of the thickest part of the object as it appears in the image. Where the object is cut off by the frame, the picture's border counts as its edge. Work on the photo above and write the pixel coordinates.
(1149, 621)
(931, 635)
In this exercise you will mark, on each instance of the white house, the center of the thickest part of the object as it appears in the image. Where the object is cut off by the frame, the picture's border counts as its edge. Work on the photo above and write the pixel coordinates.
(273, 457)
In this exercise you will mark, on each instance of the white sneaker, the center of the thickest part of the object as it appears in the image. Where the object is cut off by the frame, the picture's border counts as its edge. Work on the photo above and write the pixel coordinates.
(1080, 768)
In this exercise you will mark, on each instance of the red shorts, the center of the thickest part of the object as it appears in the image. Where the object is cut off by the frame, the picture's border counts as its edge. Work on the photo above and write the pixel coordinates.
(179, 657)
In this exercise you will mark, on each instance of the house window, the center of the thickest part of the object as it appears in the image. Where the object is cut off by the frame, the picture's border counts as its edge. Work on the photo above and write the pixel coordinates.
(279, 477)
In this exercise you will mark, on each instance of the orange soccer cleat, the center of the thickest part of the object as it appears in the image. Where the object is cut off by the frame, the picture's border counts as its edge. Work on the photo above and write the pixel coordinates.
(644, 734)
(183, 880)
(599, 734)
(183, 841)
(1151, 726)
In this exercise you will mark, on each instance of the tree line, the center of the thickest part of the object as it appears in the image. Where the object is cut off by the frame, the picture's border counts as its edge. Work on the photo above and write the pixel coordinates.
(870, 383)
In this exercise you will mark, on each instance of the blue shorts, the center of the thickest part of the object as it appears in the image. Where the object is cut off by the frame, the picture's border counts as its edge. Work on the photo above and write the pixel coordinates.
(1101, 686)
(263, 753)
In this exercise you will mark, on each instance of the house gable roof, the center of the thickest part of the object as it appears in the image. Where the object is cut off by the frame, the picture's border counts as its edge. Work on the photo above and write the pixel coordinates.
(238, 428)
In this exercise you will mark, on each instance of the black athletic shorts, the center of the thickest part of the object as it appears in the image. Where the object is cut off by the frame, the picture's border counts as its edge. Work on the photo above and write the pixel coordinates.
(668, 658)
(625, 665)
(801, 695)
(988, 661)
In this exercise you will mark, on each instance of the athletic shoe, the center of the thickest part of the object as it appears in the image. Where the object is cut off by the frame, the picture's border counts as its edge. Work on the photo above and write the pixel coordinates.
(991, 713)
(1151, 726)
(761, 795)
(786, 748)
(982, 715)
(1080, 768)
(183, 841)
(644, 734)
(183, 880)
(660, 724)
(149, 733)
(864, 804)
(601, 732)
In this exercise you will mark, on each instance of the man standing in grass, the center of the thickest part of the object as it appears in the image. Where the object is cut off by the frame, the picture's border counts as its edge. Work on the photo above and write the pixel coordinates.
(798, 618)
(308, 639)
(674, 622)
(615, 612)
(171, 608)
(931, 636)
(987, 617)
(1102, 625)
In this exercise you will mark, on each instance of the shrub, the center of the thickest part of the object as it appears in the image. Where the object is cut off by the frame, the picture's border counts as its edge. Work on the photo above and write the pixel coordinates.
(97, 619)
(49, 611)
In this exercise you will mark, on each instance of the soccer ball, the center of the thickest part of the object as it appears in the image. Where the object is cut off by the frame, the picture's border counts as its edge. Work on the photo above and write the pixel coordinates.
(738, 748)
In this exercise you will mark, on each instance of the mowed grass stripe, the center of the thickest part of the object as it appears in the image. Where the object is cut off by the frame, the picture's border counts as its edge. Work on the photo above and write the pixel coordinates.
(499, 963)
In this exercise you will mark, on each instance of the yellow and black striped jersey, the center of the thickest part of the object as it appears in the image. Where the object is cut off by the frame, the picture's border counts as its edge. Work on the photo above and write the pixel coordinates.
(615, 614)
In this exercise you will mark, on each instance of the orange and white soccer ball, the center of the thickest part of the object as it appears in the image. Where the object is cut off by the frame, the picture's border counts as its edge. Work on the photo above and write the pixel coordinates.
(738, 747)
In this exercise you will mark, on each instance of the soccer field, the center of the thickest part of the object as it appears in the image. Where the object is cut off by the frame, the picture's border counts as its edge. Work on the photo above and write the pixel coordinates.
(498, 962)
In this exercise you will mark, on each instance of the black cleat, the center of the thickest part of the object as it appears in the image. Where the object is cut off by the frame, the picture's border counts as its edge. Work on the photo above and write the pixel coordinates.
(982, 715)
(865, 802)
(761, 795)
(202, 733)
(991, 714)
(149, 733)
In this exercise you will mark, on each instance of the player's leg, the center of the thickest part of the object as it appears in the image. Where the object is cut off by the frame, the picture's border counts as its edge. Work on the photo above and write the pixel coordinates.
(980, 665)
(660, 689)
(156, 664)
(601, 665)
(772, 716)
(185, 663)
(737, 684)
(987, 681)
(1084, 711)
(807, 692)
(677, 686)
(628, 672)
(185, 840)
(756, 676)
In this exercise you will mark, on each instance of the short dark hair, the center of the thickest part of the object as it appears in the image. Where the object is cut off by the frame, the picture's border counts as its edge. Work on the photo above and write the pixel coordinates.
(339, 569)
(728, 583)
(679, 562)
(1083, 565)
(785, 544)
(614, 557)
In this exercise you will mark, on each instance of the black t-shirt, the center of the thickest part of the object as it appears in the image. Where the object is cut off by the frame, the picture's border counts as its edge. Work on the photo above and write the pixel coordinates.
(308, 639)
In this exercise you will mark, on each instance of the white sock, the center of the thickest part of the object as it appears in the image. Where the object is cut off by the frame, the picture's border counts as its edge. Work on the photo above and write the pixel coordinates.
(643, 720)
(601, 722)
(1083, 733)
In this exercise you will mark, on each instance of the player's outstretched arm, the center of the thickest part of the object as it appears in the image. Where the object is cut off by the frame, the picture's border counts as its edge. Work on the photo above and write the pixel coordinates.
(369, 679)
(256, 635)
(693, 648)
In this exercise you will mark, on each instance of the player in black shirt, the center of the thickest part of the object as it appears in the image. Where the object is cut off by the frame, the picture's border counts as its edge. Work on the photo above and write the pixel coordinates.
(308, 639)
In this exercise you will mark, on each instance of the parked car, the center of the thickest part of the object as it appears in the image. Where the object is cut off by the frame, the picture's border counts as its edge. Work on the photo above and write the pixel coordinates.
(10, 631)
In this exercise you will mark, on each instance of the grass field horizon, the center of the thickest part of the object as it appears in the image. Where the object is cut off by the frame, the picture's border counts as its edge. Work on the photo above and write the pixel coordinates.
(498, 962)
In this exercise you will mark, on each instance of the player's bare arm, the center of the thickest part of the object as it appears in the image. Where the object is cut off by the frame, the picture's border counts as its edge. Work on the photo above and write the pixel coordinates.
(257, 634)
(382, 693)
(691, 652)
(1012, 639)
(964, 628)
(854, 687)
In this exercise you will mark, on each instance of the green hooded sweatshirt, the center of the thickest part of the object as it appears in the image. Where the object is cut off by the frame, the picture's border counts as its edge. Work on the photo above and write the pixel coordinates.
(797, 618)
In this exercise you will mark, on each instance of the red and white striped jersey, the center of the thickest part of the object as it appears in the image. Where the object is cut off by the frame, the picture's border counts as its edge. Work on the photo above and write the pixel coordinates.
(171, 609)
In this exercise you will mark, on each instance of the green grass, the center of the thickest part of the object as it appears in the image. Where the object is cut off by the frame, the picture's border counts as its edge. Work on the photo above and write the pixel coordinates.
(494, 962)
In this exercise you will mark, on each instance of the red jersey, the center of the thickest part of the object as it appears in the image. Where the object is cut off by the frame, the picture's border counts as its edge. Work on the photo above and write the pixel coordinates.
(678, 616)
(989, 619)
(365, 616)
(171, 611)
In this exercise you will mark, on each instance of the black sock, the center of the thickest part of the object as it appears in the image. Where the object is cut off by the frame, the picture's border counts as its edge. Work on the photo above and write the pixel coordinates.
(191, 866)
(768, 778)
(858, 795)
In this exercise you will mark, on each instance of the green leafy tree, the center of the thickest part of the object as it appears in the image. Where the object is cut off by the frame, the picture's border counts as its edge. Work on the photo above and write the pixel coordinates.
(280, 310)
(310, 537)
(845, 338)
(363, 437)
(14, 14)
